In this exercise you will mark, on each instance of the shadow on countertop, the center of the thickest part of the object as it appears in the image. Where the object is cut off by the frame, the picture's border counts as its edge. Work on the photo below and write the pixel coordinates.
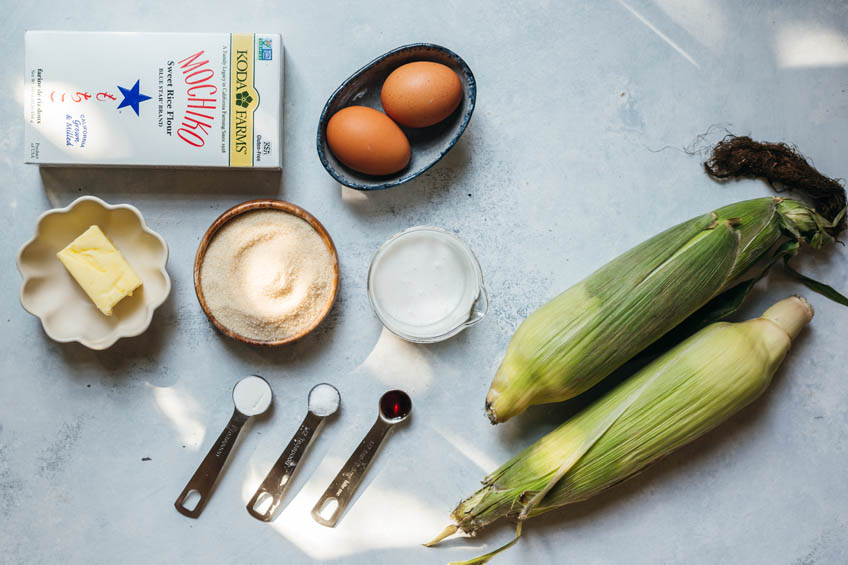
(246, 183)
(127, 353)
(446, 175)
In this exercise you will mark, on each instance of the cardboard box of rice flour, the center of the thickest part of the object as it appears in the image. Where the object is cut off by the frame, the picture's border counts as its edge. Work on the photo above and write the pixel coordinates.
(154, 99)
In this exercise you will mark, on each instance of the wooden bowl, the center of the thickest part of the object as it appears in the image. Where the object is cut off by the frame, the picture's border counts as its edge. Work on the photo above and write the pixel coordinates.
(250, 206)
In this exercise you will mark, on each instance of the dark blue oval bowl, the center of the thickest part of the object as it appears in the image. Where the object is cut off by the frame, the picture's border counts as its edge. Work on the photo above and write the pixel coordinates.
(427, 145)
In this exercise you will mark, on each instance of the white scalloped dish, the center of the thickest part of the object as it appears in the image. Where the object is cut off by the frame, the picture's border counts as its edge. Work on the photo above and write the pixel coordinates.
(49, 292)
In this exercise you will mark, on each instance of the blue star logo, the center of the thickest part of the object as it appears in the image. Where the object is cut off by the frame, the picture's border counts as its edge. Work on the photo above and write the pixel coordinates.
(132, 97)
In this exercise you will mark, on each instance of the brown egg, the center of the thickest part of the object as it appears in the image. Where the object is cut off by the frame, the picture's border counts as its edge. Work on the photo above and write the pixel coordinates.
(421, 94)
(367, 141)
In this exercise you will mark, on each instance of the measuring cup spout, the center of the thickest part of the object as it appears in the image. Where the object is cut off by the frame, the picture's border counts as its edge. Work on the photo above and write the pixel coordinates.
(479, 308)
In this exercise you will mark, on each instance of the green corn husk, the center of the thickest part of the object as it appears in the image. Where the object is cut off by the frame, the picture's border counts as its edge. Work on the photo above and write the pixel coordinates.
(591, 329)
(681, 395)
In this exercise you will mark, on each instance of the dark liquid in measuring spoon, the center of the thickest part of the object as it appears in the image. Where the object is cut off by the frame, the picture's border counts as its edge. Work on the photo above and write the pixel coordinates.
(395, 404)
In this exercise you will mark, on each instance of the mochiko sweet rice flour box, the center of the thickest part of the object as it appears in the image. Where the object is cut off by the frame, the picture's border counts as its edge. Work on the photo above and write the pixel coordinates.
(154, 99)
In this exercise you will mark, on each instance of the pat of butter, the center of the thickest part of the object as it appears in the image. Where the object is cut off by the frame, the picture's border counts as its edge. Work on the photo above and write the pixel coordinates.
(99, 268)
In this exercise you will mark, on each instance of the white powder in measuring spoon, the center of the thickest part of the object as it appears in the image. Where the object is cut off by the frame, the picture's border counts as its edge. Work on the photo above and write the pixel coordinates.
(252, 395)
(323, 399)
(267, 275)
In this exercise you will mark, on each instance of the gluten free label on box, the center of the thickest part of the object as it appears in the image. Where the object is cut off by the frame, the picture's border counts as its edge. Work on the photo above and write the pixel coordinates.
(155, 99)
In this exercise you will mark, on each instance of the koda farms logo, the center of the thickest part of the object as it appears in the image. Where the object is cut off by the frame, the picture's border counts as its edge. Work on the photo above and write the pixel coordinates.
(243, 99)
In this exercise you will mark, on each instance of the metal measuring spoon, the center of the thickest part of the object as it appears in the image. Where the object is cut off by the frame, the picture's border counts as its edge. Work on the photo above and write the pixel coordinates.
(251, 396)
(324, 400)
(395, 407)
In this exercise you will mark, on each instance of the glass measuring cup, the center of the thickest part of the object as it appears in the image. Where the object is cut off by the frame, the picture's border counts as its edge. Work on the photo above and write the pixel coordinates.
(426, 285)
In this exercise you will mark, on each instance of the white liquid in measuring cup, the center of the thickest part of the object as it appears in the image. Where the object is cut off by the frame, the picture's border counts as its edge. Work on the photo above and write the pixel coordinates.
(424, 283)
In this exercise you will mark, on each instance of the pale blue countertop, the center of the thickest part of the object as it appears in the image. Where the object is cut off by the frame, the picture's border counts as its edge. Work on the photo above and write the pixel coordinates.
(573, 155)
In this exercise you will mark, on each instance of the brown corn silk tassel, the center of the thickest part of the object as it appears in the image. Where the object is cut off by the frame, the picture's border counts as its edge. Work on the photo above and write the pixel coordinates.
(783, 167)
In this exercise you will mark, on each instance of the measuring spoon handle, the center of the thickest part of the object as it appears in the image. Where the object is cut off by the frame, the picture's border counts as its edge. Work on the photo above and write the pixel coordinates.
(279, 477)
(203, 480)
(346, 482)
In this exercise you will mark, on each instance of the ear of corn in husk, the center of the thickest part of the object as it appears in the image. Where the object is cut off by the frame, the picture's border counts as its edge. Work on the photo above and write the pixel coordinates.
(681, 395)
(591, 329)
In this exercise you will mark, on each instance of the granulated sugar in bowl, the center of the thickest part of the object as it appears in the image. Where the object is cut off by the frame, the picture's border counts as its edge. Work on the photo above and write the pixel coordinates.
(266, 273)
